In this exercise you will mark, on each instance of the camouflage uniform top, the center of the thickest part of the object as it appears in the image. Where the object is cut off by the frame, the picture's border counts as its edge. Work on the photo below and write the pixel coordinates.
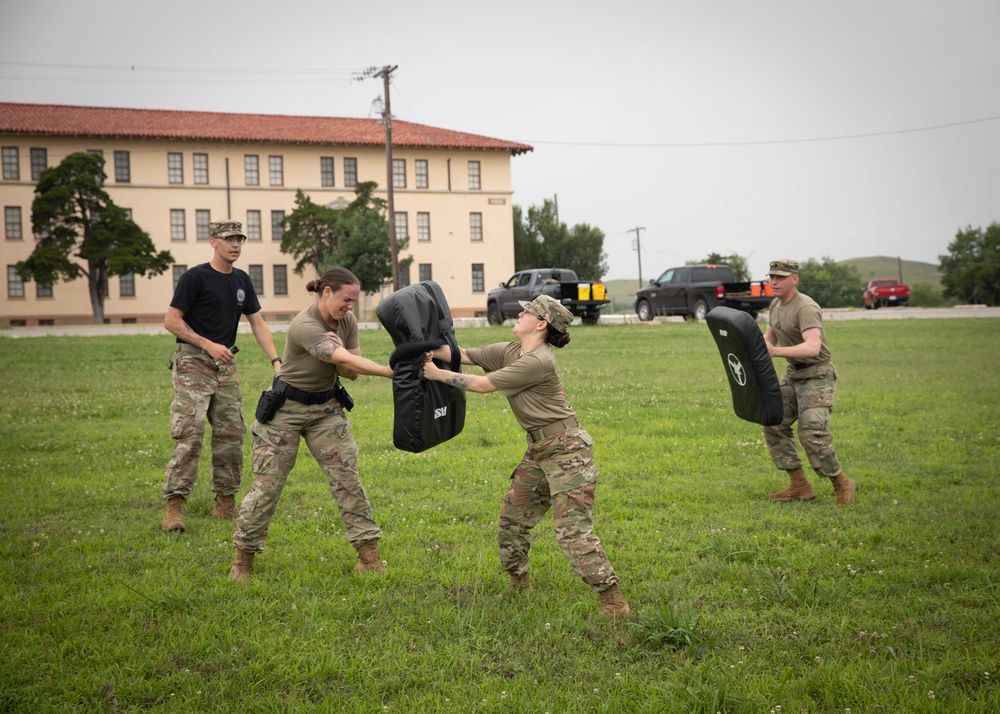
(790, 320)
(299, 368)
(531, 382)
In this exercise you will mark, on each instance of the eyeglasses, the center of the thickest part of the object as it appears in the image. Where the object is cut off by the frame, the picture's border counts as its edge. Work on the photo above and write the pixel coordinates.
(234, 239)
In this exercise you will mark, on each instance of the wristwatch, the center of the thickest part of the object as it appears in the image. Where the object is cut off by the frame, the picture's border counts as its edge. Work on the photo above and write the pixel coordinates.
(276, 359)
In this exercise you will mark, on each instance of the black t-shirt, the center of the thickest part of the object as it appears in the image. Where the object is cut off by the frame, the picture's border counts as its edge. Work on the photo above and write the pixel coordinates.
(212, 302)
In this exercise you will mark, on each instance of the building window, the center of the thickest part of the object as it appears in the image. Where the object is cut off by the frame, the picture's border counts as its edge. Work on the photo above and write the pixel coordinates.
(177, 272)
(404, 276)
(175, 167)
(200, 168)
(96, 152)
(43, 290)
(277, 225)
(478, 278)
(423, 226)
(39, 162)
(11, 172)
(202, 224)
(251, 170)
(253, 225)
(257, 278)
(280, 280)
(350, 173)
(424, 272)
(123, 167)
(399, 173)
(177, 230)
(13, 229)
(475, 226)
(276, 169)
(402, 229)
(474, 176)
(126, 285)
(420, 171)
(326, 170)
(15, 286)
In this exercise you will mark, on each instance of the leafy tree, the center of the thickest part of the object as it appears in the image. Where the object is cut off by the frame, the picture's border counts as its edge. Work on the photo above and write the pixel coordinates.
(971, 270)
(356, 237)
(83, 233)
(925, 295)
(831, 284)
(541, 241)
(739, 264)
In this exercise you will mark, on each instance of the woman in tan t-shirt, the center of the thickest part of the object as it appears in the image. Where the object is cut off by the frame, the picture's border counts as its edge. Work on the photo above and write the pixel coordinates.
(557, 471)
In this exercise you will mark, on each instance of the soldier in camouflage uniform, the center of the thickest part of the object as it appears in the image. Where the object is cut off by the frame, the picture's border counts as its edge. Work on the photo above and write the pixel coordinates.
(322, 346)
(795, 322)
(557, 471)
(204, 315)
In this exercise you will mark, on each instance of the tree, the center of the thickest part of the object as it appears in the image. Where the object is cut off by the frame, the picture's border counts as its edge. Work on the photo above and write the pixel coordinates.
(830, 284)
(739, 264)
(355, 237)
(541, 241)
(83, 233)
(971, 270)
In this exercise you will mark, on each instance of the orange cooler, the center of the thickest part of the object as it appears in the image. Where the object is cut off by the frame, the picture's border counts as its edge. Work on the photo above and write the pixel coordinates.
(598, 291)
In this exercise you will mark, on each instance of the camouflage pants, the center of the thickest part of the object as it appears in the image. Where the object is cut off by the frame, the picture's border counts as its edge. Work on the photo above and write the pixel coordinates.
(808, 398)
(327, 433)
(204, 391)
(556, 472)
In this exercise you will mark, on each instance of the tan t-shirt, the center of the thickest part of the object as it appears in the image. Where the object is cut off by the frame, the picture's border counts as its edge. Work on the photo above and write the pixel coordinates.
(531, 382)
(299, 368)
(790, 320)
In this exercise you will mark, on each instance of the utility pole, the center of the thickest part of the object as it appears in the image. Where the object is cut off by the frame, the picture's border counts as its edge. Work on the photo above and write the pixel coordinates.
(638, 249)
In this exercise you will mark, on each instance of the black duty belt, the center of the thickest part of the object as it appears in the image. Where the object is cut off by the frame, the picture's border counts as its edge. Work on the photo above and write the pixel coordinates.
(302, 397)
(553, 428)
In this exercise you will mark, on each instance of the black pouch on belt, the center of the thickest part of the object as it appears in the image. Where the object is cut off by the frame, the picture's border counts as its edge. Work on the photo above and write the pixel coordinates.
(268, 405)
(343, 397)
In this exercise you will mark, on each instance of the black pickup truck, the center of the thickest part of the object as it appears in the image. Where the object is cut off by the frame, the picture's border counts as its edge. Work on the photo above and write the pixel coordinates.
(583, 298)
(693, 290)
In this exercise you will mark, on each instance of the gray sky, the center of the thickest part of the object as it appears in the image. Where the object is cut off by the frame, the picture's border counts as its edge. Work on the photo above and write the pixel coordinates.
(767, 128)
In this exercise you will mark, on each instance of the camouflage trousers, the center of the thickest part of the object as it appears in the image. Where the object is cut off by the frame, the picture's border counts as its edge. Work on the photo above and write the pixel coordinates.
(204, 391)
(327, 432)
(556, 472)
(808, 398)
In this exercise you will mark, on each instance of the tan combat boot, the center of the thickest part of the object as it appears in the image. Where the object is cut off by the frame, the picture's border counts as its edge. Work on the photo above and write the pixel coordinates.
(800, 490)
(368, 558)
(844, 489)
(173, 519)
(242, 565)
(613, 604)
(225, 506)
(520, 582)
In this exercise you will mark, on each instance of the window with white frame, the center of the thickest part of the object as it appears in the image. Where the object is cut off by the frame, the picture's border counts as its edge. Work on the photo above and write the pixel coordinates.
(177, 230)
(176, 272)
(15, 286)
(276, 170)
(475, 226)
(13, 228)
(123, 167)
(43, 290)
(326, 170)
(424, 272)
(175, 167)
(251, 170)
(399, 173)
(202, 224)
(200, 163)
(404, 276)
(421, 178)
(126, 285)
(423, 226)
(277, 225)
(11, 169)
(350, 172)
(253, 225)
(280, 279)
(256, 273)
(39, 162)
(474, 176)
(402, 229)
(478, 278)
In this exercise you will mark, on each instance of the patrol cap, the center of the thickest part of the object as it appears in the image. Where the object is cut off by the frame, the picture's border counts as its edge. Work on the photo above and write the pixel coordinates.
(226, 229)
(547, 308)
(784, 267)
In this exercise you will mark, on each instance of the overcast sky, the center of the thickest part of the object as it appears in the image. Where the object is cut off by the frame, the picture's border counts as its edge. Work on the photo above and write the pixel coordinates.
(767, 128)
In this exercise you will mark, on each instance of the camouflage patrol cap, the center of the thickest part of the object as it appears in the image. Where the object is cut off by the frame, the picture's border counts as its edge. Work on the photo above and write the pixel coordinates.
(547, 308)
(784, 267)
(226, 229)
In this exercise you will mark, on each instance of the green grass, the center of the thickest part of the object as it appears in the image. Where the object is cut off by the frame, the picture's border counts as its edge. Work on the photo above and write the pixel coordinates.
(740, 605)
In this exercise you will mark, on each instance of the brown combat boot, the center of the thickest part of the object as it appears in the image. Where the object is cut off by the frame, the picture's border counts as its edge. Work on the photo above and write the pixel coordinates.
(613, 604)
(844, 489)
(173, 519)
(225, 506)
(242, 565)
(800, 490)
(368, 558)
(520, 583)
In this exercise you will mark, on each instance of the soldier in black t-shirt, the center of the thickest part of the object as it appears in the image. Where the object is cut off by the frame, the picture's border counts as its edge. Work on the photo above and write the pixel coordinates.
(204, 315)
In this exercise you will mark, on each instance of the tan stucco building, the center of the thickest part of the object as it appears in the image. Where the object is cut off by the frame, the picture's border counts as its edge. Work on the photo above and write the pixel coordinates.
(177, 170)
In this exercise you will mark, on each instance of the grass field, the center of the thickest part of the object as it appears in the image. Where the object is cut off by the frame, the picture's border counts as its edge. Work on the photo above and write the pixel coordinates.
(740, 605)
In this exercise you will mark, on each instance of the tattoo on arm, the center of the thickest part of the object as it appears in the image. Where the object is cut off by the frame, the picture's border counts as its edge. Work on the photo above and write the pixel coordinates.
(324, 350)
(462, 381)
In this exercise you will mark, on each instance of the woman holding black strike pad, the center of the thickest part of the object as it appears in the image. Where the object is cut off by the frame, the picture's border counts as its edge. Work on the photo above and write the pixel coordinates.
(557, 471)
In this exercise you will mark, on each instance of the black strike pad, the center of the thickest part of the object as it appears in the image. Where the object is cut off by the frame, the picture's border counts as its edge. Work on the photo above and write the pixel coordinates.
(409, 350)
(752, 379)
(426, 413)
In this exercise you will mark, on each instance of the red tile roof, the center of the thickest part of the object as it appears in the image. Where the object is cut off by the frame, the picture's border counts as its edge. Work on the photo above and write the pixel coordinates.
(60, 120)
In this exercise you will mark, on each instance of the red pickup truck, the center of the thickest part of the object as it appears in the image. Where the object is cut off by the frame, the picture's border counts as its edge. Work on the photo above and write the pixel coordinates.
(885, 291)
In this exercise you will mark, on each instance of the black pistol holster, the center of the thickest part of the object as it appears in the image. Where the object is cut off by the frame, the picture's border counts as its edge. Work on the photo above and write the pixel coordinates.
(268, 405)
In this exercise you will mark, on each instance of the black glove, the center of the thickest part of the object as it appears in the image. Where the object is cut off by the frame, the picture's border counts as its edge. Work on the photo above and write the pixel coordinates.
(411, 350)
